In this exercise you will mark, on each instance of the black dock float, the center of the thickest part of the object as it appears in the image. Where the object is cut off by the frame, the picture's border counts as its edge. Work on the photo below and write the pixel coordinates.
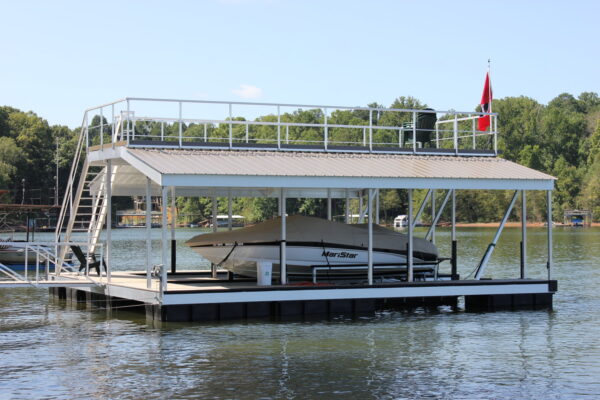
(229, 301)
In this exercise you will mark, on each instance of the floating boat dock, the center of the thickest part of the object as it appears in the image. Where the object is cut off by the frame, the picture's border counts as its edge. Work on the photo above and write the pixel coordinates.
(173, 148)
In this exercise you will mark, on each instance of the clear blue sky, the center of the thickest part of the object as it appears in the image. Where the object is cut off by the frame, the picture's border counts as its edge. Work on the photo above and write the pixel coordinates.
(60, 57)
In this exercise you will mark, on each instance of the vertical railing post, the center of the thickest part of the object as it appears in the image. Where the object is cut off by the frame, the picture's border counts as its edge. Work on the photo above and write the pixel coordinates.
(414, 129)
(278, 127)
(455, 133)
(364, 143)
(113, 139)
(474, 137)
(87, 133)
(437, 135)
(230, 126)
(495, 117)
(326, 130)
(101, 127)
(247, 133)
(180, 124)
(128, 122)
(370, 130)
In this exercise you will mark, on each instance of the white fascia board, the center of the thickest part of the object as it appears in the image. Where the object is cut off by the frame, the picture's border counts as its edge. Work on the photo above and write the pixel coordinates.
(356, 293)
(354, 182)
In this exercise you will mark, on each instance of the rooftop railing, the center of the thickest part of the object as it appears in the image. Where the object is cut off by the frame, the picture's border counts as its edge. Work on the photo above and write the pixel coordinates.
(170, 123)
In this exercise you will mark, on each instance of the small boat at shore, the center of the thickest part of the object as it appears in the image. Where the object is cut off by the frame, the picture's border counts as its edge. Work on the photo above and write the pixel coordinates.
(313, 242)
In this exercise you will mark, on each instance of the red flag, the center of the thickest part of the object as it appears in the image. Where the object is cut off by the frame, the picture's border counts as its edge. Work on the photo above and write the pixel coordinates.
(486, 104)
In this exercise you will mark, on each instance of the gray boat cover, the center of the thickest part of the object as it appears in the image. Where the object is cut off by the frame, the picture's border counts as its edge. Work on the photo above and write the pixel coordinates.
(302, 229)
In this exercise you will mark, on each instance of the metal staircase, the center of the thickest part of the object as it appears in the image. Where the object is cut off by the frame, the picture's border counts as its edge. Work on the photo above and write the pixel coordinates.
(84, 206)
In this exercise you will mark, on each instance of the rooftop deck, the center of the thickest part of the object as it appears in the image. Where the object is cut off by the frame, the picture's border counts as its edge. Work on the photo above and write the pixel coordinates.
(173, 123)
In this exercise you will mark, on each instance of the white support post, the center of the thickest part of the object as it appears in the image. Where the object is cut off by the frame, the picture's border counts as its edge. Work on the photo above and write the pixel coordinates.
(279, 206)
(165, 239)
(148, 233)
(361, 210)
(347, 207)
(454, 270)
(173, 226)
(108, 220)
(329, 204)
(453, 214)
(433, 215)
(229, 211)
(282, 254)
(409, 252)
(213, 266)
(215, 211)
(549, 211)
(523, 233)
(377, 207)
(370, 239)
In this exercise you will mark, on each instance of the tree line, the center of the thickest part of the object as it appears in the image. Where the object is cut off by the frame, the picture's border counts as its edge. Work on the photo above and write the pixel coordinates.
(561, 138)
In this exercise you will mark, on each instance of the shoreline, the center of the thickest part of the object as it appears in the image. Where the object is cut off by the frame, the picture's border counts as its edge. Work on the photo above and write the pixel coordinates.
(511, 224)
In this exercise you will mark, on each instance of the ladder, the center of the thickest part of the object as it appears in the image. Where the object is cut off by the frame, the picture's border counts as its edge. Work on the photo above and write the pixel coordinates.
(84, 205)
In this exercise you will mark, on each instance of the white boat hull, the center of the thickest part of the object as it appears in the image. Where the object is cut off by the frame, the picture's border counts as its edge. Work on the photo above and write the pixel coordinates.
(299, 259)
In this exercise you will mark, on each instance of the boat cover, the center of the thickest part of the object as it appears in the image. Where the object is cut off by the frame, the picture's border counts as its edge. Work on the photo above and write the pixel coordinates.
(310, 230)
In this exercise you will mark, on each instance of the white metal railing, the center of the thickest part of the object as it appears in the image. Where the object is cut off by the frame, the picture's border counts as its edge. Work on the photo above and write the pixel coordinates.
(48, 264)
(175, 123)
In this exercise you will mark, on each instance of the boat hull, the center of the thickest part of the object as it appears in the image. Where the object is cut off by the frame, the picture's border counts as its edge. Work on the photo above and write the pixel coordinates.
(242, 260)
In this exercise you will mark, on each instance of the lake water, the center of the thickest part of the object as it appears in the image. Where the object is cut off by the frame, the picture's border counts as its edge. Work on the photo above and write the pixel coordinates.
(52, 350)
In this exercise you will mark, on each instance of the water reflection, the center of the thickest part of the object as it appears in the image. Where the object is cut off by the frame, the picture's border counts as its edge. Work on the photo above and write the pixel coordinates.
(54, 349)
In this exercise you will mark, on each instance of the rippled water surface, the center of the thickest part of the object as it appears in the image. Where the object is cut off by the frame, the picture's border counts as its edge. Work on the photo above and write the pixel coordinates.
(49, 349)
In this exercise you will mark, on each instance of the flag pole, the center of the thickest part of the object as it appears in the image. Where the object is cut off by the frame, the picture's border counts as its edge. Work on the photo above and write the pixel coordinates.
(490, 88)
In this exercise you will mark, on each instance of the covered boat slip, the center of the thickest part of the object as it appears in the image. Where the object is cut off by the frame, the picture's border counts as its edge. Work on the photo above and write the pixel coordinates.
(141, 158)
(231, 173)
